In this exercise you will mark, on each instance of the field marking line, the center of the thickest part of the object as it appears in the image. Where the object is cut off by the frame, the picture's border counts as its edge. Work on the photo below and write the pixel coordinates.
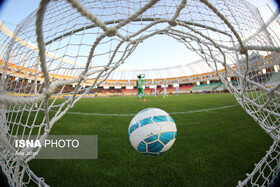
(205, 110)
(171, 113)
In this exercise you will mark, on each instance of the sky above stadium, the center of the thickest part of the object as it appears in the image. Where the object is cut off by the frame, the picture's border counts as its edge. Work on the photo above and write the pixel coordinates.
(156, 52)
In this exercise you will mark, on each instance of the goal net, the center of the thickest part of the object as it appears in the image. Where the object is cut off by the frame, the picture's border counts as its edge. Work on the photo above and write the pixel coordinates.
(66, 48)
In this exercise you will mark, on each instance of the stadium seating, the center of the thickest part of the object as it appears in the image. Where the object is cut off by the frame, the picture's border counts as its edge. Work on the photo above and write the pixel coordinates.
(275, 77)
(21, 79)
(206, 87)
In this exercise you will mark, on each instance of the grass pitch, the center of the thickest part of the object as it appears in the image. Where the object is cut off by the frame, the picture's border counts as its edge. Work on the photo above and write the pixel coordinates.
(215, 145)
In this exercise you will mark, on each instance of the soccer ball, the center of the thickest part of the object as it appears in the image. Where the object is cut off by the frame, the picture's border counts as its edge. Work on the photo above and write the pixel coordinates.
(152, 131)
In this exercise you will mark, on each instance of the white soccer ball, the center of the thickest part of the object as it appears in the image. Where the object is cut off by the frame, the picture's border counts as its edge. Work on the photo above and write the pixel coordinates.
(152, 131)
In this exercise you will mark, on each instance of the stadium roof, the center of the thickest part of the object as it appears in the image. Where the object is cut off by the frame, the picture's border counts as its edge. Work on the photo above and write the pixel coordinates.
(194, 68)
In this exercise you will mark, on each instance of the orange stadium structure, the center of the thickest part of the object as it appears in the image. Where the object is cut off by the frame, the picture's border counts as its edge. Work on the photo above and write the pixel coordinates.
(114, 87)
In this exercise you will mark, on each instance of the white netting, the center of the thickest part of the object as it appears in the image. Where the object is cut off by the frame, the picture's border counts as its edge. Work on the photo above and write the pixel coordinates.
(67, 48)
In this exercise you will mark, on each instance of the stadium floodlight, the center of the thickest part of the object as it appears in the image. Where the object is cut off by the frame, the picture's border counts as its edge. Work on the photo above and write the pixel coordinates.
(73, 46)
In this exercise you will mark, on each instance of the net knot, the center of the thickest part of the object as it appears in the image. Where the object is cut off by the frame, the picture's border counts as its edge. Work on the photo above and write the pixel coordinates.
(112, 31)
(82, 75)
(172, 23)
(133, 41)
(49, 90)
(243, 51)
(126, 38)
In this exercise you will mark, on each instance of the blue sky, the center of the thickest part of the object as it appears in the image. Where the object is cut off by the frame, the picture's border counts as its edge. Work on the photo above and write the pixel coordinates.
(13, 11)
(153, 50)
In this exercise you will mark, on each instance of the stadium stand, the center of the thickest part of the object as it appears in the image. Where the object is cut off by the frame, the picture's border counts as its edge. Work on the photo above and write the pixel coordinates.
(18, 74)
(265, 71)
(274, 78)
(206, 87)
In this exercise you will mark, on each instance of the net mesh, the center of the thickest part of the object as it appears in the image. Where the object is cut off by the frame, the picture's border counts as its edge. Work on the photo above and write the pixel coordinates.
(67, 48)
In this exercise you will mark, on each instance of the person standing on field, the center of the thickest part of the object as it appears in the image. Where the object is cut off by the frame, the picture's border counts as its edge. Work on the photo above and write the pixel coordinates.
(140, 87)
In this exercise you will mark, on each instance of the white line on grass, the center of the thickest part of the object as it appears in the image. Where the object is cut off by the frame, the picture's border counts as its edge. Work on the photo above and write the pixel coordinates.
(186, 112)
(204, 110)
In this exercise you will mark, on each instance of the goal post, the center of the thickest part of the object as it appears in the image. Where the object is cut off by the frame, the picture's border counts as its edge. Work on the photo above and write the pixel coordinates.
(70, 47)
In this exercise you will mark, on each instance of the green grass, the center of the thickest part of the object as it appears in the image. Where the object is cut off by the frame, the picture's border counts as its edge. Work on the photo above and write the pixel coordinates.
(213, 148)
